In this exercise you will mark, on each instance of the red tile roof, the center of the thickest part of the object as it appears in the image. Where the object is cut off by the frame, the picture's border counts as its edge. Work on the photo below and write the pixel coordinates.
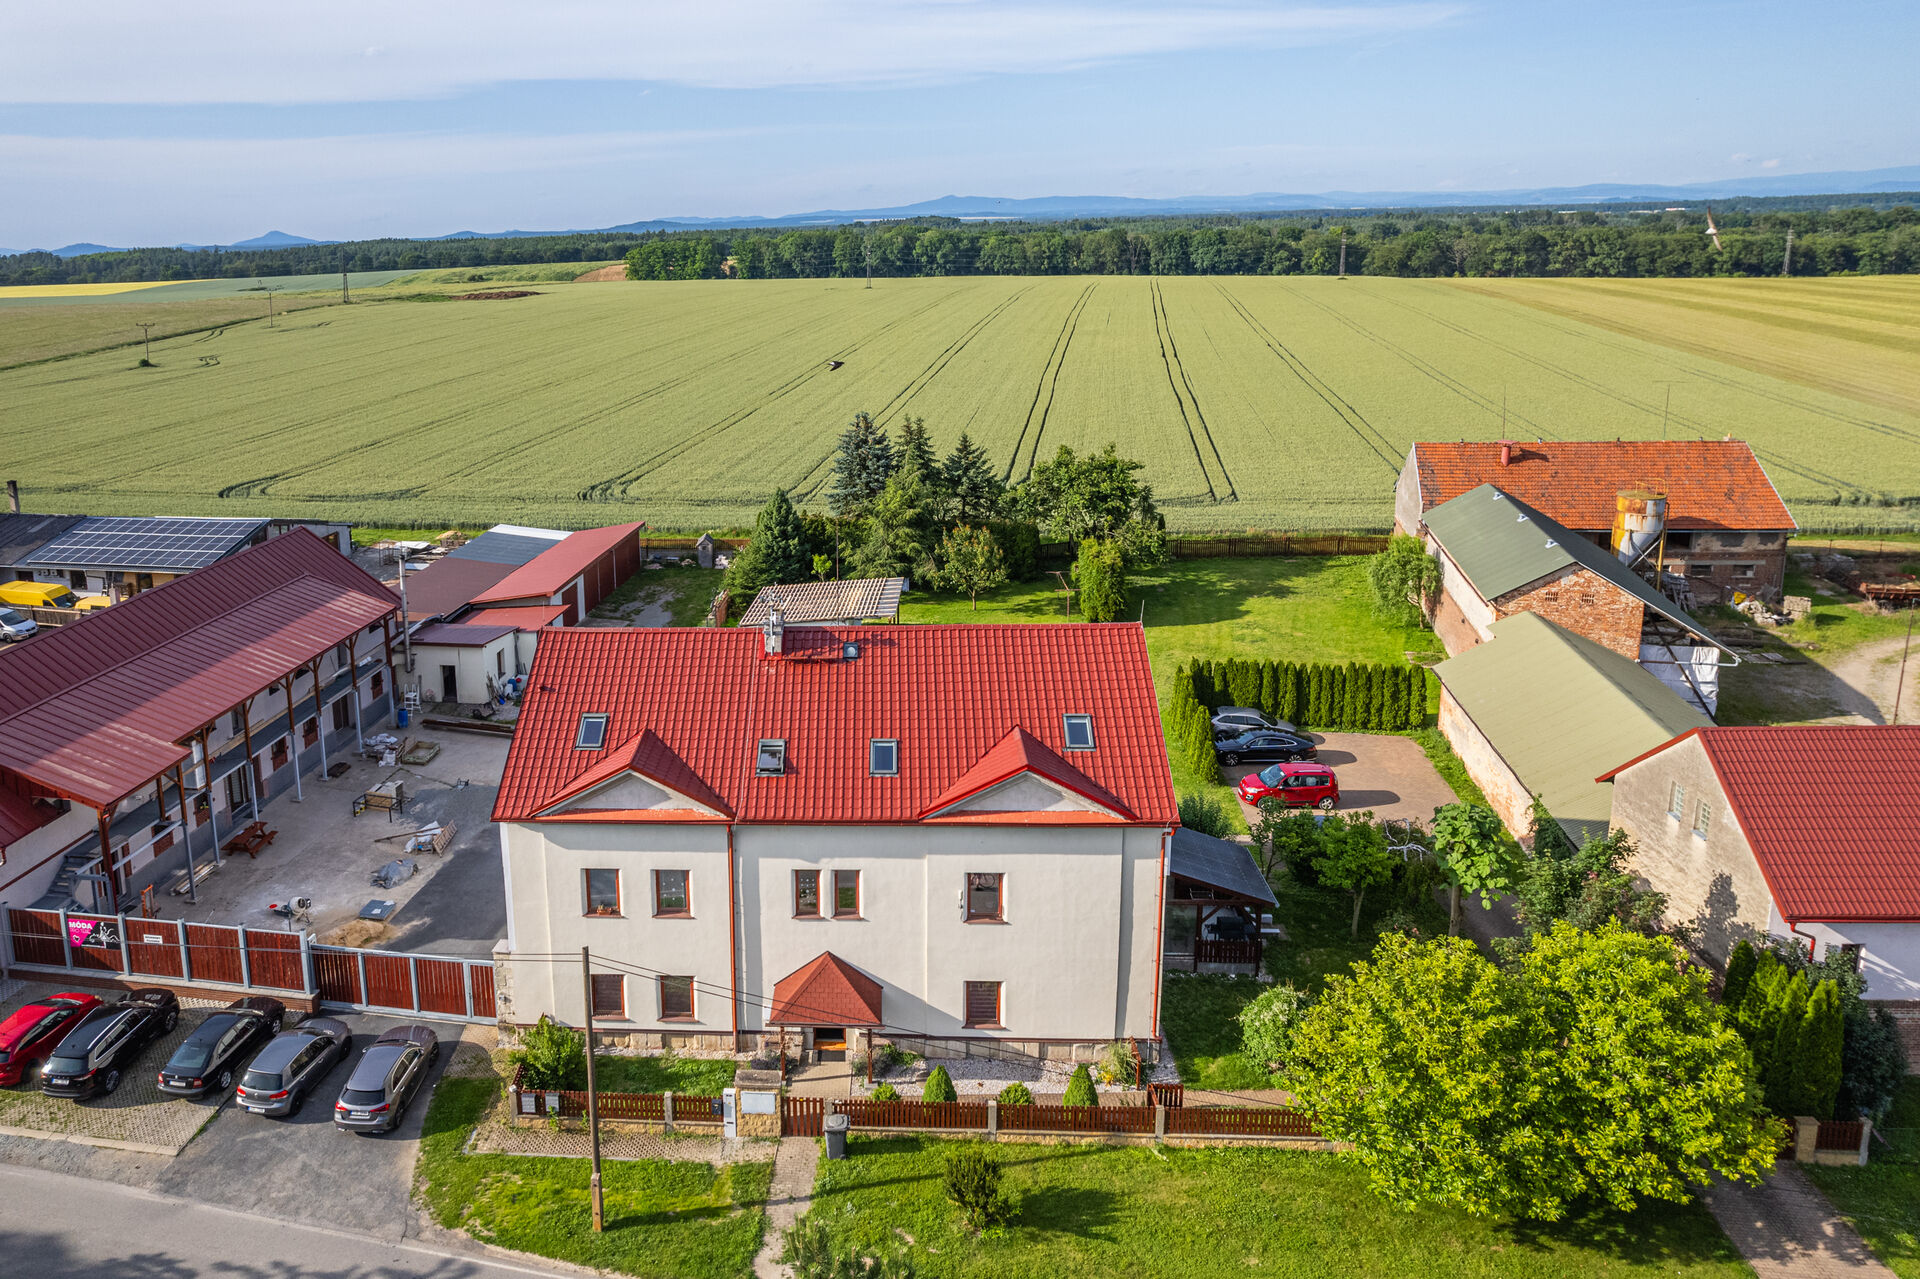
(1016, 753)
(93, 710)
(525, 617)
(1709, 483)
(1832, 813)
(653, 759)
(547, 574)
(948, 694)
(828, 991)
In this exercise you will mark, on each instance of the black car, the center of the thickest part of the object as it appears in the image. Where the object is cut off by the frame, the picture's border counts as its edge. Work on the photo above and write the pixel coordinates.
(219, 1047)
(1232, 721)
(292, 1065)
(1264, 746)
(386, 1079)
(91, 1059)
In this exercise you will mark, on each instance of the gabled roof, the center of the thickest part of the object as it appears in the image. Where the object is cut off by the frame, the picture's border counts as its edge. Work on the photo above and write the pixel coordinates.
(1831, 811)
(651, 758)
(1502, 544)
(1709, 483)
(1020, 752)
(948, 694)
(510, 545)
(828, 991)
(1217, 863)
(805, 603)
(94, 710)
(461, 634)
(547, 574)
(20, 816)
(1559, 708)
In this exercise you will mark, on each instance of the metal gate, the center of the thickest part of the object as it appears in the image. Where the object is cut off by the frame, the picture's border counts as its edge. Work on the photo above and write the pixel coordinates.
(392, 981)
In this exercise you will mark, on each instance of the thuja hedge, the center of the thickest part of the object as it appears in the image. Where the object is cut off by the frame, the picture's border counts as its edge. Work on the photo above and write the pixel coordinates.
(1354, 696)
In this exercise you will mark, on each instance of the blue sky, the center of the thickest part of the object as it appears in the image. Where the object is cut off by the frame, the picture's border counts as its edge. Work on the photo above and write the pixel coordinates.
(127, 123)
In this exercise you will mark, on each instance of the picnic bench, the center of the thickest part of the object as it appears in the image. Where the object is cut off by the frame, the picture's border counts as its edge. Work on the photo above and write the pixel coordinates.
(250, 839)
(390, 797)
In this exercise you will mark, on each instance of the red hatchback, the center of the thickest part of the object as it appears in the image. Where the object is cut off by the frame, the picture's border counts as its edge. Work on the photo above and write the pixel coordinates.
(32, 1031)
(1294, 785)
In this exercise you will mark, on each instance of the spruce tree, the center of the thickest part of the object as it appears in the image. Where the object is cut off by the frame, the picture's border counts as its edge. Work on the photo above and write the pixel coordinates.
(975, 491)
(914, 453)
(777, 553)
(861, 467)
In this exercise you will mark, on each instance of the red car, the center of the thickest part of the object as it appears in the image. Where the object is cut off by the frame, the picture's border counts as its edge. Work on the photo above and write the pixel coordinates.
(1305, 785)
(31, 1032)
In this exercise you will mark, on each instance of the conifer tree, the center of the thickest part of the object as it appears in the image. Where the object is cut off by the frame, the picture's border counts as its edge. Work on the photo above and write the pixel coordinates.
(861, 467)
(975, 491)
(1818, 1058)
(776, 554)
(1790, 1009)
(1740, 966)
(914, 452)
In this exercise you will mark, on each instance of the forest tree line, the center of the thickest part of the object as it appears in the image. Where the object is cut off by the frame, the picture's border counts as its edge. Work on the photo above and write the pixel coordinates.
(1525, 242)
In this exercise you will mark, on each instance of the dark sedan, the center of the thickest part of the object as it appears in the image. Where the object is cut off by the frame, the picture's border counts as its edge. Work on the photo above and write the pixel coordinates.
(1262, 746)
(220, 1047)
(386, 1079)
(95, 1054)
(292, 1066)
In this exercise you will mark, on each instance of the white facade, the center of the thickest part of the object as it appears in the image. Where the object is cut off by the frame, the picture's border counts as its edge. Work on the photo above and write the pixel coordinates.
(472, 666)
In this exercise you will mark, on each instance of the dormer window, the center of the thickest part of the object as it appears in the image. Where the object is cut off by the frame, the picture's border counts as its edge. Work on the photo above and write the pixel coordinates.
(883, 757)
(592, 734)
(1079, 732)
(770, 760)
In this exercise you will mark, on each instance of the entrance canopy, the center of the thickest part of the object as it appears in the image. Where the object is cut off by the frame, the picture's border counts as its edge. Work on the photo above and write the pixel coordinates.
(826, 992)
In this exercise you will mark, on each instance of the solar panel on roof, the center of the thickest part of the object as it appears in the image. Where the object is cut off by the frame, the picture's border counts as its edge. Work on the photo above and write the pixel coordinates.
(143, 542)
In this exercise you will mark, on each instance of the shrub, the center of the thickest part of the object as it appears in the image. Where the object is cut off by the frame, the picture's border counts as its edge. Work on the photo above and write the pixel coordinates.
(807, 1247)
(1206, 814)
(1101, 576)
(886, 1092)
(891, 1055)
(552, 1057)
(1080, 1089)
(1118, 1065)
(972, 1179)
(1267, 1024)
(1016, 1094)
(939, 1086)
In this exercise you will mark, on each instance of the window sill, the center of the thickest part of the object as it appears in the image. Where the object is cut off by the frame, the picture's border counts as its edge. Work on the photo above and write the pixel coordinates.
(681, 1021)
(812, 918)
(986, 920)
(603, 914)
(855, 918)
(674, 914)
(981, 1025)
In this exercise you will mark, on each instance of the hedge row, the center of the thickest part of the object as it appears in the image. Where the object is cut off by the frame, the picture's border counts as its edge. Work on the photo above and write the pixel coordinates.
(1353, 696)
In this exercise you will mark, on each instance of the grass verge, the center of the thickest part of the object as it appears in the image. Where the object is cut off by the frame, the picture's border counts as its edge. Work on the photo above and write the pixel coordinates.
(696, 1076)
(1097, 1212)
(670, 1220)
(1882, 1200)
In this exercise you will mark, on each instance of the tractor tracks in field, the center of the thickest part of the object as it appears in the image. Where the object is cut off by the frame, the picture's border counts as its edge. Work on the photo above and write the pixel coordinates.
(1350, 417)
(1042, 404)
(1178, 382)
(920, 381)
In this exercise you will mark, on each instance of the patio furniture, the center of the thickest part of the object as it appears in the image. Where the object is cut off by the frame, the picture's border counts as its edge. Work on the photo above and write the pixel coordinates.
(250, 839)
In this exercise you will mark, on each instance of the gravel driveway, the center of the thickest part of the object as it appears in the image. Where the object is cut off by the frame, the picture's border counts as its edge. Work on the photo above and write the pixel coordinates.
(1389, 775)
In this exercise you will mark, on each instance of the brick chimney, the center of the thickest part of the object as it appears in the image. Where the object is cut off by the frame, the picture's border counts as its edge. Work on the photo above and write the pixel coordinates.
(1506, 452)
(775, 630)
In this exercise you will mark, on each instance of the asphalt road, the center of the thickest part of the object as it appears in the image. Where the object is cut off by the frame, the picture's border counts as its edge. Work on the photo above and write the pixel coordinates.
(55, 1227)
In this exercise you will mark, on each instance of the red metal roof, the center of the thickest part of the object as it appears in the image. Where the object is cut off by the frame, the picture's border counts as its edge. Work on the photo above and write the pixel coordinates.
(1709, 483)
(547, 574)
(94, 710)
(20, 816)
(1831, 811)
(448, 584)
(1016, 753)
(524, 617)
(948, 694)
(828, 991)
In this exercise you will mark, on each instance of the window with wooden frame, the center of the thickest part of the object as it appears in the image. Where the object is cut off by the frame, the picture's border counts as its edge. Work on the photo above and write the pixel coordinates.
(609, 995)
(676, 999)
(846, 894)
(342, 714)
(984, 898)
(603, 892)
(1676, 800)
(310, 731)
(806, 894)
(670, 899)
(279, 754)
(1702, 819)
(983, 1005)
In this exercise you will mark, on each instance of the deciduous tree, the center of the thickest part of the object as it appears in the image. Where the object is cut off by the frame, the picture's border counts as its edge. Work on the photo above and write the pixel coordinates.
(1475, 852)
(970, 562)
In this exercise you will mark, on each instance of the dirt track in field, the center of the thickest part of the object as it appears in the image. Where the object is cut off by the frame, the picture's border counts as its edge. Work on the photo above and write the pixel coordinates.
(618, 271)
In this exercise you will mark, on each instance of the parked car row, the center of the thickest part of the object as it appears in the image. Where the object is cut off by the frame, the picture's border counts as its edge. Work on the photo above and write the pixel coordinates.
(86, 1046)
(1243, 735)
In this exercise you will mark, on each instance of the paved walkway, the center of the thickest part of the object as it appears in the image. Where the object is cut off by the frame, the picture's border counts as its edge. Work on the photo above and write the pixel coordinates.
(1388, 774)
(1786, 1229)
(787, 1199)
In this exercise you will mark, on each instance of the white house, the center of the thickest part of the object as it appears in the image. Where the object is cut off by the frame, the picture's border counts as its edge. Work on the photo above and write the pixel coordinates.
(1807, 832)
(951, 836)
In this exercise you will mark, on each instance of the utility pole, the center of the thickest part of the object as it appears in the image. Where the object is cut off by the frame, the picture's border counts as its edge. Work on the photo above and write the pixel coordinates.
(270, 291)
(406, 631)
(867, 241)
(1343, 254)
(146, 337)
(1786, 263)
(1900, 685)
(593, 1097)
(344, 297)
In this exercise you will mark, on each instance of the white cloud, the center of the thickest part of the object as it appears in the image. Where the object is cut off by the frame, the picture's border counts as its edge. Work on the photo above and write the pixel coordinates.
(212, 51)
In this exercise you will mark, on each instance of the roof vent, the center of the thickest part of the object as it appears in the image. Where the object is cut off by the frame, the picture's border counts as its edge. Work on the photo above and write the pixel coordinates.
(774, 629)
(1506, 452)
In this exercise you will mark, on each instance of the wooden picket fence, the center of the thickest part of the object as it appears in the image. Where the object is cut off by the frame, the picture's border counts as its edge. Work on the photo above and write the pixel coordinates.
(1238, 1121)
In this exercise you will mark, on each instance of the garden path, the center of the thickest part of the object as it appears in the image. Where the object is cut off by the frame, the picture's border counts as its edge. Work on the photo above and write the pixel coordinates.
(788, 1197)
(1786, 1229)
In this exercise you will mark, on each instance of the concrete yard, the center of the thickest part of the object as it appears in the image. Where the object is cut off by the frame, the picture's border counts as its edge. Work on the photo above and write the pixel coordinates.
(454, 903)
(1388, 775)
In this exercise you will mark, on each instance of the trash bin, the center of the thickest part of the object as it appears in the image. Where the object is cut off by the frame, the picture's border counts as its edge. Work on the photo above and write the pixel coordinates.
(836, 1126)
(400, 717)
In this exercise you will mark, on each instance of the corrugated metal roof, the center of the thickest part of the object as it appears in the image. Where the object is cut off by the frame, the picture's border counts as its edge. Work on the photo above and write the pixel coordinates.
(22, 535)
(1831, 811)
(1709, 483)
(947, 694)
(20, 816)
(460, 634)
(447, 585)
(94, 710)
(1502, 544)
(508, 544)
(855, 600)
(828, 991)
(1218, 863)
(1560, 709)
(548, 573)
(524, 617)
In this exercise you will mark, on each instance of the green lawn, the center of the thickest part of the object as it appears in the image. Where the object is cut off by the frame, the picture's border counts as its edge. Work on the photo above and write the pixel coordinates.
(673, 1220)
(686, 593)
(700, 1076)
(1197, 1012)
(1306, 608)
(1883, 1199)
(1102, 1212)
